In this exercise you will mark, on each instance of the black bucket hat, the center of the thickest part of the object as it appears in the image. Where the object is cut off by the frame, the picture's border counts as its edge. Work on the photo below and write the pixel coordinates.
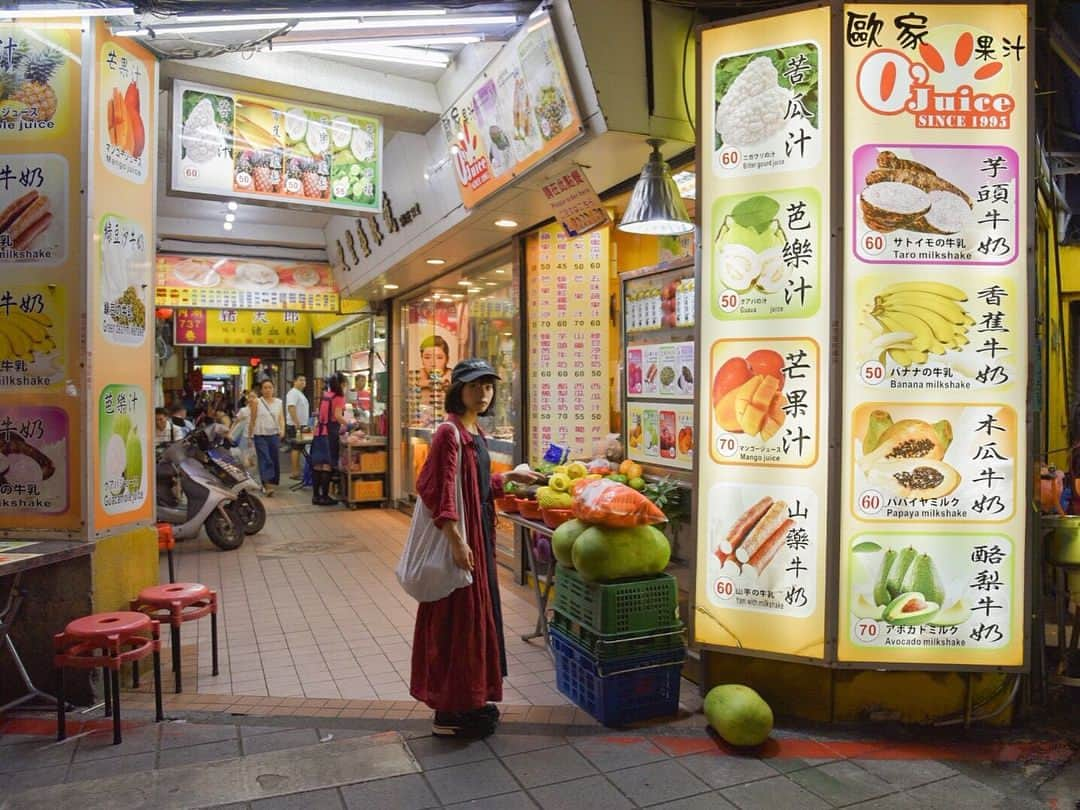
(472, 369)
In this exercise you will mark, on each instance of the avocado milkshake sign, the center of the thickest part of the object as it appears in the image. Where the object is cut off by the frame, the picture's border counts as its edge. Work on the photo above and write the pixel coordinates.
(933, 524)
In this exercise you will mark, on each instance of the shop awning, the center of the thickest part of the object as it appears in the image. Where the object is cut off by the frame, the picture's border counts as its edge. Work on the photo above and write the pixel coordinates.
(238, 283)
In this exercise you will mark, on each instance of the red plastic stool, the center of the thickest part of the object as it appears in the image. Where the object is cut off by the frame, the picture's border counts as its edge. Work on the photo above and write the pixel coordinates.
(176, 603)
(166, 542)
(106, 640)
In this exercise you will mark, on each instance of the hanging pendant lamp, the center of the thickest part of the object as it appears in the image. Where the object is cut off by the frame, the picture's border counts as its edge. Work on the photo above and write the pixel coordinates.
(655, 206)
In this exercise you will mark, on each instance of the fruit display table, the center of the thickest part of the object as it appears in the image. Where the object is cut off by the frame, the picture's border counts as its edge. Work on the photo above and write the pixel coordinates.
(542, 590)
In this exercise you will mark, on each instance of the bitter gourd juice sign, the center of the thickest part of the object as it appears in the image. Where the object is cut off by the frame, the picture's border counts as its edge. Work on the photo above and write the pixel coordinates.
(935, 324)
(764, 331)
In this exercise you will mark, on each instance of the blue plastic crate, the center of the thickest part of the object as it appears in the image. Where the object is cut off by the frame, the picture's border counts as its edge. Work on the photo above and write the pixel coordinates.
(622, 690)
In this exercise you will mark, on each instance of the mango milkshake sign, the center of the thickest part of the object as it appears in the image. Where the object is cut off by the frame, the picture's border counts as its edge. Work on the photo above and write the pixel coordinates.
(763, 335)
(935, 322)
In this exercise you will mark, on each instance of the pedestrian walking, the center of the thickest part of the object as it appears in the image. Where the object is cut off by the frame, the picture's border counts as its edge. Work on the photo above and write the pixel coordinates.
(326, 444)
(267, 428)
(297, 416)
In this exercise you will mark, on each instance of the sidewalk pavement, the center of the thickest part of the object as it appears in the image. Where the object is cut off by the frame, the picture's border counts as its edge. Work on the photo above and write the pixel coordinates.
(215, 760)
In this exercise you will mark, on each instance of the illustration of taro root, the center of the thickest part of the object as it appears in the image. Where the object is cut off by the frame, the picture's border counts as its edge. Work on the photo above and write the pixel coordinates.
(12, 444)
(905, 195)
(756, 535)
(24, 219)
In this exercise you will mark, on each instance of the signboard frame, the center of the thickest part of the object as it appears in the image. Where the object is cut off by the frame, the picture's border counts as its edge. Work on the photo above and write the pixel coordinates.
(836, 207)
(280, 201)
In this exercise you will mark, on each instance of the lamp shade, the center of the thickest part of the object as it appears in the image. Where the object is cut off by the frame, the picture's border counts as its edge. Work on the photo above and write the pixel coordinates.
(655, 206)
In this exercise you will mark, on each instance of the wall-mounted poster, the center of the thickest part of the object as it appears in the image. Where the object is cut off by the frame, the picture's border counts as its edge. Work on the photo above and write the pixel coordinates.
(222, 282)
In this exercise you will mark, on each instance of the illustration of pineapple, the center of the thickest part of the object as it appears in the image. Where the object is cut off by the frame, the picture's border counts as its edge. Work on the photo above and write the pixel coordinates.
(264, 182)
(309, 176)
(293, 176)
(37, 70)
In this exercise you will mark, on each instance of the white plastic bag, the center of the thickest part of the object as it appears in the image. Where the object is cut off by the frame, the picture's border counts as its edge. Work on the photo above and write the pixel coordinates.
(427, 570)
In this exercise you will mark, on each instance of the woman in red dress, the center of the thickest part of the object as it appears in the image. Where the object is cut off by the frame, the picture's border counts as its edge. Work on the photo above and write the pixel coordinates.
(458, 654)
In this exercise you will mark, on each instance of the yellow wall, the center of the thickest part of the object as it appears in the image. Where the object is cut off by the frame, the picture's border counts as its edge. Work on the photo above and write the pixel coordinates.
(1058, 342)
(124, 564)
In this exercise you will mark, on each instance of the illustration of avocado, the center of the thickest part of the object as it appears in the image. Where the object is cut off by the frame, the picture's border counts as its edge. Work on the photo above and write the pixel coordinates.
(133, 467)
(882, 596)
(897, 571)
(864, 610)
(910, 609)
(955, 614)
(922, 577)
(122, 426)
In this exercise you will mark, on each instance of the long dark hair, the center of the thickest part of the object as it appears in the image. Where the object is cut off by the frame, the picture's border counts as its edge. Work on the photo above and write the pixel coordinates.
(335, 384)
(456, 405)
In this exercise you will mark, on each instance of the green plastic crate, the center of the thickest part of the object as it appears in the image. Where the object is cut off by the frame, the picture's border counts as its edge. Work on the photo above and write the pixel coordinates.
(636, 605)
(609, 646)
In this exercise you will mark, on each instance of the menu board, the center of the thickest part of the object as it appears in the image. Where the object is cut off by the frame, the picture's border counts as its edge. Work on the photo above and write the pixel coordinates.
(123, 177)
(515, 114)
(661, 433)
(569, 330)
(230, 144)
(222, 282)
(232, 327)
(763, 321)
(41, 274)
(936, 335)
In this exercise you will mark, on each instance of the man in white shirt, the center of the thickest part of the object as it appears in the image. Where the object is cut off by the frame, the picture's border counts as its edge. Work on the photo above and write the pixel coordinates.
(297, 414)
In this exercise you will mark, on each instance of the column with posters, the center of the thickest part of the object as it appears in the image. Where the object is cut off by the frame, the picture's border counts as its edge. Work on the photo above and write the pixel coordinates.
(120, 280)
(569, 337)
(764, 334)
(41, 258)
(935, 318)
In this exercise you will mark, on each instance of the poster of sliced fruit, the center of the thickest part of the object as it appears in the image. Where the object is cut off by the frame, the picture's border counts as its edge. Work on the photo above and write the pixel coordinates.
(660, 370)
(766, 110)
(936, 332)
(33, 346)
(257, 147)
(935, 205)
(224, 282)
(661, 434)
(122, 440)
(763, 334)
(930, 597)
(767, 255)
(34, 457)
(40, 83)
(125, 107)
(34, 213)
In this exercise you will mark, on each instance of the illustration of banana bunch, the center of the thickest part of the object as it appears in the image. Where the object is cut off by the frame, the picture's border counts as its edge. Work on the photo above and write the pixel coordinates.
(22, 334)
(918, 319)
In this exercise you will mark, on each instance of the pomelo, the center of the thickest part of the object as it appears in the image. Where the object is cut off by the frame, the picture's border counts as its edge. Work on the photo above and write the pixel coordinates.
(562, 541)
(738, 714)
(602, 553)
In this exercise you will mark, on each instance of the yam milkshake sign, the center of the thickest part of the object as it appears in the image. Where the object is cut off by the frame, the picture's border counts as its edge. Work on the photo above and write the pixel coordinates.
(764, 334)
(935, 322)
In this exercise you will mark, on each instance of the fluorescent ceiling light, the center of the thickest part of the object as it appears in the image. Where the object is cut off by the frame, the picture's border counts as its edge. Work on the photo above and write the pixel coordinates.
(436, 261)
(407, 56)
(310, 15)
(232, 206)
(418, 41)
(230, 217)
(227, 226)
(162, 30)
(389, 286)
(438, 22)
(52, 10)
(464, 283)
(505, 223)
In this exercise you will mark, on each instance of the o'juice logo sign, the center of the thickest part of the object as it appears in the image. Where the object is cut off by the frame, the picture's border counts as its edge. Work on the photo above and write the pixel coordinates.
(945, 77)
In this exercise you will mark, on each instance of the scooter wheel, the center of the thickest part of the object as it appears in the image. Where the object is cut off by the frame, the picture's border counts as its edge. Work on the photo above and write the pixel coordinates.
(224, 529)
(252, 513)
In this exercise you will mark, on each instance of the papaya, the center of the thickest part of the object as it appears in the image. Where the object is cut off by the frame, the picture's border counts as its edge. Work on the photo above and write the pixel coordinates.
(906, 439)
(915, 478)
(602, 553)
(879, 422)
(738, 714)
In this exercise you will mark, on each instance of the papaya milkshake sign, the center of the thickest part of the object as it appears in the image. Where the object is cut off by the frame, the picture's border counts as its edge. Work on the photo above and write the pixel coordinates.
(937, 184)
(762, 466)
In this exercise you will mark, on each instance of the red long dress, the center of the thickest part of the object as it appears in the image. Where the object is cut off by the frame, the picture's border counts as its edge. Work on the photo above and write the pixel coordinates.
(456, 664)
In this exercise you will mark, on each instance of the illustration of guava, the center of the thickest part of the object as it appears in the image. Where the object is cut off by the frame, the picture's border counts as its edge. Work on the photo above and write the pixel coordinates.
(114, 463)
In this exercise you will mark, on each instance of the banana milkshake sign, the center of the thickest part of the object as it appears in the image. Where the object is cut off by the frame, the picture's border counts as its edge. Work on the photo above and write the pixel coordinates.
(936, 335)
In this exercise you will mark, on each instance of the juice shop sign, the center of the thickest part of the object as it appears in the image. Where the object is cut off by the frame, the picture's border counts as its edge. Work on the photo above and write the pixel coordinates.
(939, 94)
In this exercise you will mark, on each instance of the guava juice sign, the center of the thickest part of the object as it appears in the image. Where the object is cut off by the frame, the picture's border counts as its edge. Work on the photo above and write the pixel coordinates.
(939, 76)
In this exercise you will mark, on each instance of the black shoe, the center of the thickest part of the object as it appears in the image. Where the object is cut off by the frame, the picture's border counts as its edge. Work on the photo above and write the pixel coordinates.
(462, 725)
(489, 710)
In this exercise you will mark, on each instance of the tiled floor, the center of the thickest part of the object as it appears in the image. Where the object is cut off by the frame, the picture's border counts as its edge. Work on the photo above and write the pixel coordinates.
(310, 608)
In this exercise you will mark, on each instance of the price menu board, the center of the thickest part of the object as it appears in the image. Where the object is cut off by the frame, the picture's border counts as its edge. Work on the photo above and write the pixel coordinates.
(935, 318)
(763, 320)
(569, 336)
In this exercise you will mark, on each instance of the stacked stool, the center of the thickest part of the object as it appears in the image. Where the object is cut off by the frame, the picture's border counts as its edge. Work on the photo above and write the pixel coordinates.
(166, 541)
(174, 604)
(108, 641)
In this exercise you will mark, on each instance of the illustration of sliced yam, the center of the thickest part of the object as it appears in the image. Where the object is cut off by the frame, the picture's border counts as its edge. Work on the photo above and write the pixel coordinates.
(888, 206)
(948, 213)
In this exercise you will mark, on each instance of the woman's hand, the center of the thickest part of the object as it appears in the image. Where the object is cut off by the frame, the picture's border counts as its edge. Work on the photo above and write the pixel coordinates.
(522, 476)
(463, 556)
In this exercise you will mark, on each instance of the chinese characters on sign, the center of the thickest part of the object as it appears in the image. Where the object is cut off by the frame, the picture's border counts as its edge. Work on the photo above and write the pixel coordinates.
(936, 334)
(575, 202)
(123, 439)
(568, 356)
(35, 445)
(231, 327)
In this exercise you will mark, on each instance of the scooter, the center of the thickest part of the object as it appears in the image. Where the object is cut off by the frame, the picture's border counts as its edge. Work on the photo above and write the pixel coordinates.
(190, 498)
(224, 467)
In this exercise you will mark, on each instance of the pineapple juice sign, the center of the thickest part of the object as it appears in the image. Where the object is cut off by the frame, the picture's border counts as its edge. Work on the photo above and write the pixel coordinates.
(226, 144)
(935, 323)
(762, 464)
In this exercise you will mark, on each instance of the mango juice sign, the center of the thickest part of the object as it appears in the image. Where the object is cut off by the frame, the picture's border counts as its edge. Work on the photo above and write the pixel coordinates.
(762, 458)
(936, 335)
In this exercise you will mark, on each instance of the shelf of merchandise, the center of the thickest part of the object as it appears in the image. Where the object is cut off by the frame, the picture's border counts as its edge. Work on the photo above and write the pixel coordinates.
(363, 471)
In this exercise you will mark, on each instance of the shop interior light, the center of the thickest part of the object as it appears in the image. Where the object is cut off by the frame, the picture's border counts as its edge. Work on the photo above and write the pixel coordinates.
(406, 56)
(390, 286)
(475, 290)
(227, 226)
(655, 208)
(312, 15)
(500, 272)
(232, 206)
(505, 223)
(464, 283)
(160, 30)
(353, 43)
(52, 10)
(463, 21)
(436, 261)
(492, 283)
(230, 217)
